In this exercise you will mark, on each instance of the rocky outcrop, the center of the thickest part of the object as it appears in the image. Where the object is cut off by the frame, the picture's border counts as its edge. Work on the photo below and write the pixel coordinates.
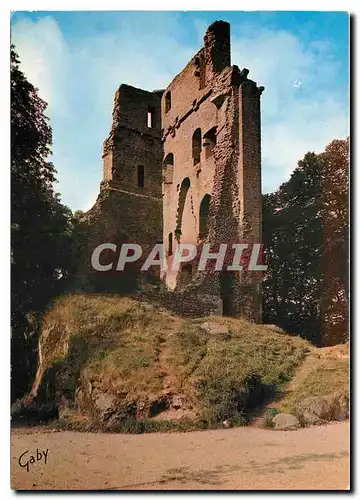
(285, 422)
(213, 328)
(320, 409)
(275, 328)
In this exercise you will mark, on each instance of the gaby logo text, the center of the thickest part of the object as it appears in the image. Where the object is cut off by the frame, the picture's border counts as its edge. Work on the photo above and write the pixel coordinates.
(25, 460)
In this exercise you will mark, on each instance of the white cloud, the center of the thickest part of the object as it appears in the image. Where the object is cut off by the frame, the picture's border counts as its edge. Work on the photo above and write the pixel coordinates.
(295, 118)
(300, 109)
(43, 55)
(78, 79)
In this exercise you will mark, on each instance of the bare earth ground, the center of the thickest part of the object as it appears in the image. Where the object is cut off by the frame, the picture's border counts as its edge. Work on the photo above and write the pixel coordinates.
(245, 458)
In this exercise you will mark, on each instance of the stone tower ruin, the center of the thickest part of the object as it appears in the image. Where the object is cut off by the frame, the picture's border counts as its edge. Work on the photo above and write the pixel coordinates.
(184, 165)
(212, 167)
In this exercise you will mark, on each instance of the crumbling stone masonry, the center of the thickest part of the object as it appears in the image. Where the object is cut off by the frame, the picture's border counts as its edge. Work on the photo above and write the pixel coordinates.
(184, 166)
(129, 206)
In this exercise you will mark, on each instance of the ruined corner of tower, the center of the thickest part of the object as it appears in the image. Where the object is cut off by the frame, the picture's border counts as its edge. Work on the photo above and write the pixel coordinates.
(183, 165)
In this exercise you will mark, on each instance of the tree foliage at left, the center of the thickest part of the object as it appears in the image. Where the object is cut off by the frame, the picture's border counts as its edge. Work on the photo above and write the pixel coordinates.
(40, 225)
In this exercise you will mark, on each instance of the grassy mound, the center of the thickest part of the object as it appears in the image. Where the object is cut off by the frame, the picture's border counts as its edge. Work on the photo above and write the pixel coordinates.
(325, 371)
(119, 364)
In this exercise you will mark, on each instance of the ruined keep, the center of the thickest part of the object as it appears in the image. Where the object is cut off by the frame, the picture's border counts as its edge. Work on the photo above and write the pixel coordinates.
(183, 165)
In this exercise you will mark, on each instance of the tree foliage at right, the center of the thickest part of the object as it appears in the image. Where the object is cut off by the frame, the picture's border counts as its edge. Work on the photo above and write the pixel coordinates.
(306, 242)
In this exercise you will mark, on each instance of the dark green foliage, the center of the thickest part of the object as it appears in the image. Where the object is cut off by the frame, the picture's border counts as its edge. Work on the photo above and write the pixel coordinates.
(305, 235)
(224, 397)
(40, 225)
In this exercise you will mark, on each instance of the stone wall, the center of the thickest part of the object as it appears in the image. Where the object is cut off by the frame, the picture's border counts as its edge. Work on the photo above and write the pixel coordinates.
(184, 304)
(119, 217)
(126, 211)
(133, 143)
(169, 152)
(211, 95)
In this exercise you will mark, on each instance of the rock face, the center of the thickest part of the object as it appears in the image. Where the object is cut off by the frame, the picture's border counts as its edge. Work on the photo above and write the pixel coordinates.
(109, 411)
(320, 409)
(285, 422)
(104, 404)
(104, 408)
(275, 328)
(214, 328)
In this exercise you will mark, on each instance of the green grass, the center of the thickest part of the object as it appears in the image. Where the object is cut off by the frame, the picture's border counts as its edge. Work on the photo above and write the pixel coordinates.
(328, 376)
(238, 374)
(129, 349)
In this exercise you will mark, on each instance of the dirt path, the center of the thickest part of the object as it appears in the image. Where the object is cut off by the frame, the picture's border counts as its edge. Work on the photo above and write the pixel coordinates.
(241, 458)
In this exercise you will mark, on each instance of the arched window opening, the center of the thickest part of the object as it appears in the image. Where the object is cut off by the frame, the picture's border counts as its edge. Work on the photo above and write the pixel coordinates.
(140, 176)
(209, 142)
(167, 101)
(168, 168)
(169, 160)
(196, 146)
(185, 185)
(204, 216)
(170, 244)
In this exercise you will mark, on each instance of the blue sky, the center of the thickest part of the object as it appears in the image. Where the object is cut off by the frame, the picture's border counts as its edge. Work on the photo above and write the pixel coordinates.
(79, 59)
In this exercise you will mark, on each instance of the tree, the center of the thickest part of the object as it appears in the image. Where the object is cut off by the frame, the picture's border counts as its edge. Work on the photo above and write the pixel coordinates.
(305, 235)
(335, 251)
(40, 224)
